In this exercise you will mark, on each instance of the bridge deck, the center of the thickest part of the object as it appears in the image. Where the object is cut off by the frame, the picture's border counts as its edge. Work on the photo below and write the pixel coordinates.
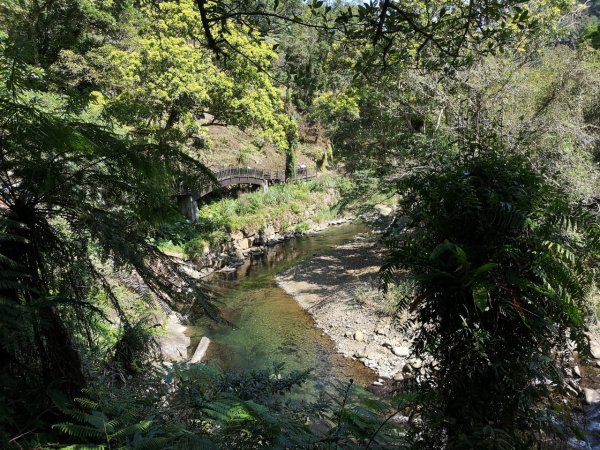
(187, 197)
(232, 176)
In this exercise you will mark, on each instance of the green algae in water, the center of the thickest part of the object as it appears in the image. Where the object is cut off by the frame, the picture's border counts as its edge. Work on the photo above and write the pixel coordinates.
(269, 326)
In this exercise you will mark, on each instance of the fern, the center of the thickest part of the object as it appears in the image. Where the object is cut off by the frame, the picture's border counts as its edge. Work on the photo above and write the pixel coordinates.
(503, 265)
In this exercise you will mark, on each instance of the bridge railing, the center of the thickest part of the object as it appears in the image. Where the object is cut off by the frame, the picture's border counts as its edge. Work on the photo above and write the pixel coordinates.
(227, 173)
(304, 173)
(239, 172)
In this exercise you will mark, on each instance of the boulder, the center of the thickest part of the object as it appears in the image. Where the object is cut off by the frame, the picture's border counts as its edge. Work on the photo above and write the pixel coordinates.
(266, 234)
(200, 350)
(595, 349)
(383, 210)
(592, 396)
(236, 235)
(244, 244)
(360, 353)
(415, 363)
(174, 343)
(401, 351)
(398, 376)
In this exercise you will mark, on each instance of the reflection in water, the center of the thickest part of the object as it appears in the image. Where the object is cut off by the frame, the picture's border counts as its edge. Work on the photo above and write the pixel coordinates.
(269, 326)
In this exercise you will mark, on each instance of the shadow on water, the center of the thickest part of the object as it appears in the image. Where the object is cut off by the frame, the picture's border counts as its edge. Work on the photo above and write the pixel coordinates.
(269, 325)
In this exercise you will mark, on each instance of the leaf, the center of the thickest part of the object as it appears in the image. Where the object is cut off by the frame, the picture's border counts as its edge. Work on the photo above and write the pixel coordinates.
(440, 249)
(480, 297)
(484, 268)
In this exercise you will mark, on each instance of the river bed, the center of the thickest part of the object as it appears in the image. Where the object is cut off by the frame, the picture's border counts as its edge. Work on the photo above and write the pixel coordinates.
(267, 324)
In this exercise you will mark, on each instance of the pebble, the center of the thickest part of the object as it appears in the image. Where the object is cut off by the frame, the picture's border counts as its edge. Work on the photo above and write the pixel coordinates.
(360, 353)
(398, 376)
(359, 336)
(415, 363)
(572, 391)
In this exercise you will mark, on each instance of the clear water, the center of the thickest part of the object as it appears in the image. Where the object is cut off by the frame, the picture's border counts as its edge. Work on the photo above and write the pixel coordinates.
(268, 324)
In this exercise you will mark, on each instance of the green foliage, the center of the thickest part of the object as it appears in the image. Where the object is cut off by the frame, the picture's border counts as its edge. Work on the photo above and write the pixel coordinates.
(591, 33)
(281, 204)
(197, 247)
(302, 227)
(40, 31)
(161, 83)
(75, 194)
(97, 91)
(504, 264)
(178, 232)
(134, 347)
(195, 405)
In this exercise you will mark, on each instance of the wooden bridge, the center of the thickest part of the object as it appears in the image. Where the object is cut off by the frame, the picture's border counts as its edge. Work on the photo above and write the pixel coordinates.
(187, 197)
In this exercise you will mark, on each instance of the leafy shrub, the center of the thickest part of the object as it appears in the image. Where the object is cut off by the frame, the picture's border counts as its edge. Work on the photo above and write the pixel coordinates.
(504, 263)
(325, 214)
(302, 227)
(295, 207)
(176, 232)
(196, 247)
(195, 406)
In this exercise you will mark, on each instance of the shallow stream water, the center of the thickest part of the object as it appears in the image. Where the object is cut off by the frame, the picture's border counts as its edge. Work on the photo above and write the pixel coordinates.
(268, 325)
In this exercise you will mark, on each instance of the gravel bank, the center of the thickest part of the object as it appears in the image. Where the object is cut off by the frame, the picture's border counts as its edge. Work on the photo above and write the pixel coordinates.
(338, 289)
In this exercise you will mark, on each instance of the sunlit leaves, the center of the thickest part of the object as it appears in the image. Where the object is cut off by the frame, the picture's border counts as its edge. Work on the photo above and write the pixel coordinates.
(162, 80)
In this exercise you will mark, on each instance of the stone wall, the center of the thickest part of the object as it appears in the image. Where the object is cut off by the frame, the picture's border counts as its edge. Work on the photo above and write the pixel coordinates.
(242, 243)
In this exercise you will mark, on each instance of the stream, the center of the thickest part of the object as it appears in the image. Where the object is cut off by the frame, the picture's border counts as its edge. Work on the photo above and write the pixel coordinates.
(269, 327)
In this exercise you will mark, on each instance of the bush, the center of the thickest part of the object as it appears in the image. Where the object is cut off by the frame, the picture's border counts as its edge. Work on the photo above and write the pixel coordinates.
(195, 406)
(504, 264)
(176, 232)
(196, 247)
(284, 203)
(302, 227)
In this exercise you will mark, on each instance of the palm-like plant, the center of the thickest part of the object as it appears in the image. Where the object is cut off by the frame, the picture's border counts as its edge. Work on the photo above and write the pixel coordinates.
(504, 264)
(74, 194)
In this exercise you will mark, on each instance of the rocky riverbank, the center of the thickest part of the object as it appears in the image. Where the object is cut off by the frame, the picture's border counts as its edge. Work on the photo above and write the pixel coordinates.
(339, 289)
(243, 243)
(174, 342)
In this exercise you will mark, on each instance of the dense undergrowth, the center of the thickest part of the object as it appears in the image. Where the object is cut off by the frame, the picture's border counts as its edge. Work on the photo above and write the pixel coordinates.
(192, 406)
